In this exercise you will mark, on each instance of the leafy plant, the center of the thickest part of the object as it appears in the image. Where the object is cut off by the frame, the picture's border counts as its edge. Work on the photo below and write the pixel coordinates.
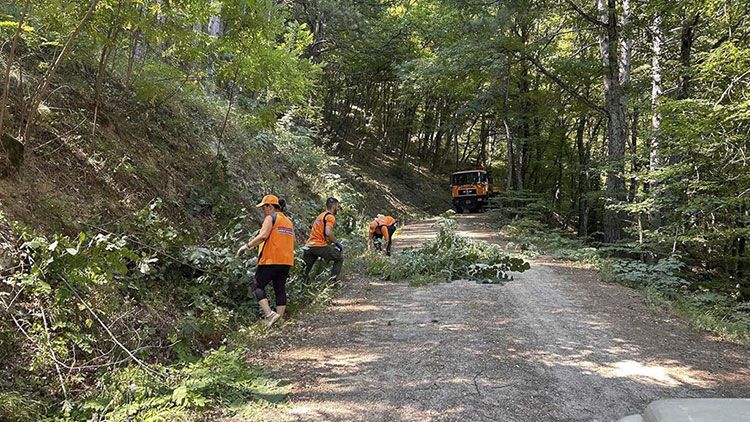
(220, 379)
(663, 275)
(447, 257)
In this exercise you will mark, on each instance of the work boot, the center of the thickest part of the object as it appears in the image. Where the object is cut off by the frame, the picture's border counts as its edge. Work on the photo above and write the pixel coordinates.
(271, 318)
(334, 282)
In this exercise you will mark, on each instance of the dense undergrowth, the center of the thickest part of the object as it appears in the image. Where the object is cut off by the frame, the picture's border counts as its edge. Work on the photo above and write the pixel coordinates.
(666, 282)
(134, 323)
(447, 257)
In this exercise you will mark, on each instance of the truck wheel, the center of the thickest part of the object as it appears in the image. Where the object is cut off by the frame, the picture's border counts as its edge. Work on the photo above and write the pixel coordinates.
(459, 210)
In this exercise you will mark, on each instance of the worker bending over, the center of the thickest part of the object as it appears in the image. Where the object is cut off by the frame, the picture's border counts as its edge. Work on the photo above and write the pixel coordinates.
(317, 245)
(382, 227)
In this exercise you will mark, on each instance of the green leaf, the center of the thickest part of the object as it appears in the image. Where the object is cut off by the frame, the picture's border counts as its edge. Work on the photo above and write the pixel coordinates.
(179, 395)
(34, 243)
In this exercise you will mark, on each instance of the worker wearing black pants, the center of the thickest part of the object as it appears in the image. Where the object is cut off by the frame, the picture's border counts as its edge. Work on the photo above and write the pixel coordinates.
(382, 227)
(391, 229)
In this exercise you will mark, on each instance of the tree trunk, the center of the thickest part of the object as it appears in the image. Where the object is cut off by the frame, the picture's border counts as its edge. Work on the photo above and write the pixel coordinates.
(508, 136)
(482, 156)
(583, 177)
(524, 88)
(511, 159)
(219, 142)
(686, 46)
(655, 158)
(102, 68)
(436, 157)
(634, 167)
(617, 126)
(9, 64)
(592, 181)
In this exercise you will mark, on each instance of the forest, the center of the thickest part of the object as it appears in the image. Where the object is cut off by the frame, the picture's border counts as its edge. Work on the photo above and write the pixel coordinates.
(136, 135)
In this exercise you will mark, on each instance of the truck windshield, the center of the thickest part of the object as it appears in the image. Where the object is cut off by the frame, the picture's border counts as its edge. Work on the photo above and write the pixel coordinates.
(468, 178)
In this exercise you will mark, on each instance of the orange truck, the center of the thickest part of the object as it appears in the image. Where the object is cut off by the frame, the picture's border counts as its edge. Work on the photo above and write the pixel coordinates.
(471, 190)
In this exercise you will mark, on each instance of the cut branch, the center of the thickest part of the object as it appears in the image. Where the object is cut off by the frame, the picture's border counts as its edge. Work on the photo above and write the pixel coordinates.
(109, 332)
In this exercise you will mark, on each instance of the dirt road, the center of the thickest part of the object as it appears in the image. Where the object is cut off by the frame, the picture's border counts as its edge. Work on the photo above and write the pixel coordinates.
(556, 344)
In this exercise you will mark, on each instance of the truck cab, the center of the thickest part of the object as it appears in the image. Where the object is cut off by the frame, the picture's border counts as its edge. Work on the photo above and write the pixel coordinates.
(471, 190)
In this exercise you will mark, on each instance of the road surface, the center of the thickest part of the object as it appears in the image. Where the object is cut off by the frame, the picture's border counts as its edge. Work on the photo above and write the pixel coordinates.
(555, 344)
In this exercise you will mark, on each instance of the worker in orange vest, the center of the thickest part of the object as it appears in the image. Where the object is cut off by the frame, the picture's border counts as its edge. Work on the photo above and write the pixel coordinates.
(318, 246)
(382, 227)
(275, 243)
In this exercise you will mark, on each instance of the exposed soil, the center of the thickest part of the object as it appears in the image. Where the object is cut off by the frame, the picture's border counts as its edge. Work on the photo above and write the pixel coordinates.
(555, 344)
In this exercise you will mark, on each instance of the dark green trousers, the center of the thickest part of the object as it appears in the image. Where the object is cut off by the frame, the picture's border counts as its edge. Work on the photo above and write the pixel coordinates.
(329, 253)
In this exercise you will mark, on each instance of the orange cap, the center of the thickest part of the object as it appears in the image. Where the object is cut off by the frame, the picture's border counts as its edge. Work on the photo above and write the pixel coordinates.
(268, 200)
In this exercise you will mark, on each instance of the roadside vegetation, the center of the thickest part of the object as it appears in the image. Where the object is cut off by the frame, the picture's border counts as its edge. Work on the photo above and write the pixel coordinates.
(673, 281)
(447, 257)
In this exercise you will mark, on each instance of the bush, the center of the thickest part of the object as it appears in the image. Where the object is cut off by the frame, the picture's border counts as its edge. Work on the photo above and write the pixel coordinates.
(663, 286)
(447, 257)
(532, 239)
(664, 275)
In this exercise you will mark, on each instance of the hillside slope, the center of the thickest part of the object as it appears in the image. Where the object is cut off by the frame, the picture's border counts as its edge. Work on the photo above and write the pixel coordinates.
(138, 152)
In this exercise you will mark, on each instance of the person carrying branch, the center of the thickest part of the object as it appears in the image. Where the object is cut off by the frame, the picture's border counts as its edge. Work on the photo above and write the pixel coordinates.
(318, 246)
(382, 227)
(275, 243)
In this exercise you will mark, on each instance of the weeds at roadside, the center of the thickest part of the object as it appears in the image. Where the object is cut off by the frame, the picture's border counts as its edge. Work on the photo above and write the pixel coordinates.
(448, 257)
(133, 324)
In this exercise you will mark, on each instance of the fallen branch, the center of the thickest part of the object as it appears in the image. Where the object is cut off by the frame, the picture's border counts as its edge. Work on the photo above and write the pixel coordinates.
(157, 250)
(52, 351)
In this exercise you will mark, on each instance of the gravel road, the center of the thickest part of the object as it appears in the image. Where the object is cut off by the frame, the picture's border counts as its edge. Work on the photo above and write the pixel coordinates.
(555, 344)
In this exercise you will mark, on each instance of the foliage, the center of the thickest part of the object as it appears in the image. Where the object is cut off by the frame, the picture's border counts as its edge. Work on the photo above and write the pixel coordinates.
(86, 302)
(253, 49)
(533, 239)
(663, 275)
(448, 257)
(220, 379)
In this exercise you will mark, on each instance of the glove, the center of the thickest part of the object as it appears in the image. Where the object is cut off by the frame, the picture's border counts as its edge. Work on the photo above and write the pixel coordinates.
(241, 250)
(339, 245)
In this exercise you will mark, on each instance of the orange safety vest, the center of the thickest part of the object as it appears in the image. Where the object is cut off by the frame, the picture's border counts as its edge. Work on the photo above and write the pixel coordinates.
(376, 227)
(318, 233)
(278, 248)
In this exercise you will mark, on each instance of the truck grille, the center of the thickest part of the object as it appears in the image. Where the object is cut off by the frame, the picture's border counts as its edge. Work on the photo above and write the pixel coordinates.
(467, 191)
